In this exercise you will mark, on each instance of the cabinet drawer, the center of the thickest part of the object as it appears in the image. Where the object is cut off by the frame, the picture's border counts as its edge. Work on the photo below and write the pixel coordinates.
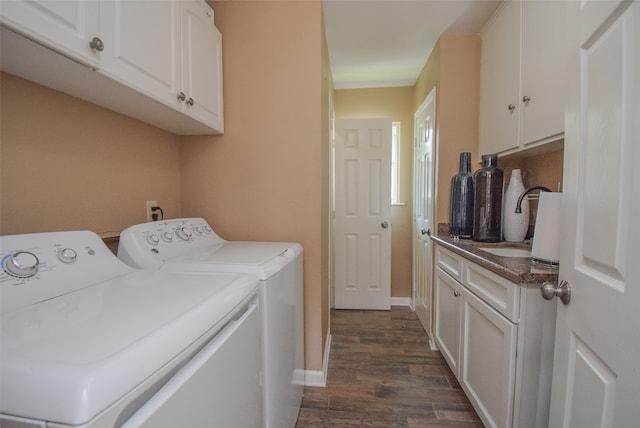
(501, 294)
(450, 262)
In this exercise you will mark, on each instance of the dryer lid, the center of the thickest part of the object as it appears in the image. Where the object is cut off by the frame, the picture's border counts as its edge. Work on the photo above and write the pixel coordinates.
(262, 259)
(68, 358)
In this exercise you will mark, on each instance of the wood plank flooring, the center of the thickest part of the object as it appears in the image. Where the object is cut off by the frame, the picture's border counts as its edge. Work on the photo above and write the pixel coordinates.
(383, 374)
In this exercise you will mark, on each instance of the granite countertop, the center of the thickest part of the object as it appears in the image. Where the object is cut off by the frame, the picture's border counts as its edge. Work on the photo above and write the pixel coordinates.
(520, 270)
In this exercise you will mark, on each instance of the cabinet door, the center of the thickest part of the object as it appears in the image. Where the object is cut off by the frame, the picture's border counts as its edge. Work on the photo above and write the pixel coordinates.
(142, 46)
(543, 70)
(499, 81)
(487, 372)
(448, 305)
(202, 64)
(65, 26)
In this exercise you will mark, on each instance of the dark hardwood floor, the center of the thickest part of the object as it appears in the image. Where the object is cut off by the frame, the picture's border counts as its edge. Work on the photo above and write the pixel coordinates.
(383, 374)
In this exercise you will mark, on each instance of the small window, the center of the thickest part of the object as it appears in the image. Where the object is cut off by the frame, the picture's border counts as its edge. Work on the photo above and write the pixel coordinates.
(395, 164)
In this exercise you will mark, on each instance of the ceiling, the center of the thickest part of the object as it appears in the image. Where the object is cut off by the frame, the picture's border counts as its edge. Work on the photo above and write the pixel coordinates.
(385, 43)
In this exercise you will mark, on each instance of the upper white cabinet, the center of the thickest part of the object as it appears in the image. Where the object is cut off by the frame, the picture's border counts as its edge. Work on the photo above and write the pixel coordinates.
(202, 65)
(67, 27)
(156, 61)
(143, 46)
(522, 77)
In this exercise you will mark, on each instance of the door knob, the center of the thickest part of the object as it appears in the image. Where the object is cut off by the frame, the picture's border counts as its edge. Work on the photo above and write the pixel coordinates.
(563, 291)
(426, 231)
(384, 224)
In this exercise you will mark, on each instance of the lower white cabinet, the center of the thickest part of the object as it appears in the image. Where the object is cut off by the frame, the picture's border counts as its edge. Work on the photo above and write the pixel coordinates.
(497, 337)
(487, 372)
(447, 296)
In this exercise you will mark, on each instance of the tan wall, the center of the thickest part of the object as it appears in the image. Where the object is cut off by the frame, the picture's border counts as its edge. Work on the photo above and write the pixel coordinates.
(394, 103)
(67, 164)
(263, 179)
(454, 69)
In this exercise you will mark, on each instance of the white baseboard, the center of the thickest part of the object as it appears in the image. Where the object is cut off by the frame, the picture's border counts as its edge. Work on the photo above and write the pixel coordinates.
(401, 301)
(319, 377)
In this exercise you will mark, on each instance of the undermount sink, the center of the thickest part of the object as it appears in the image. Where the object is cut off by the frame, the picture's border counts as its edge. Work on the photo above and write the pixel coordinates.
(507, 252)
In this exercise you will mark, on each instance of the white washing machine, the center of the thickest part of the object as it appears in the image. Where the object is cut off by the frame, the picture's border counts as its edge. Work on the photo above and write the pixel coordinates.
(190, 245)
(87, 341)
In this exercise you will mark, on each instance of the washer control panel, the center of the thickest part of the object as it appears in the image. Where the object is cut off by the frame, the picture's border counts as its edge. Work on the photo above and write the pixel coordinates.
(40, 266)
(166, 231)
(148, 245)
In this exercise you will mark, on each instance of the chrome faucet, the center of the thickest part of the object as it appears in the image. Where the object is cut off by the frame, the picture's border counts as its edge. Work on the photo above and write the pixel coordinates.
(530, 189)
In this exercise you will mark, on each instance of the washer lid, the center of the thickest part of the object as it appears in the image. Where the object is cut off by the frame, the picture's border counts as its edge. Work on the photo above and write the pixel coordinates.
(67, 359)
(262, 259)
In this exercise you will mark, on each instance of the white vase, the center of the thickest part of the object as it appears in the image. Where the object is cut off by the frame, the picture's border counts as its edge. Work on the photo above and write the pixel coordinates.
(515, 225)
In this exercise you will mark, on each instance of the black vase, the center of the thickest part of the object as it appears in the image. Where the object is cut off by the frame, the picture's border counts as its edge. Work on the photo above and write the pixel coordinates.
(487, 211)
(462, 195)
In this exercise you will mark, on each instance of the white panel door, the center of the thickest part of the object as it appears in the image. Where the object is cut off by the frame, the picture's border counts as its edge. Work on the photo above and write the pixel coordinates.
(596, 373)
(363, 214)
(425, 141)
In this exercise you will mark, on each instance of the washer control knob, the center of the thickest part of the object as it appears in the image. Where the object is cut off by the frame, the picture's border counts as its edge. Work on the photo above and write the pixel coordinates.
(67, 255)
(207, 229)
(184, 233)
(167, 236)
(153, 239)
(198, 230)
(22, 264)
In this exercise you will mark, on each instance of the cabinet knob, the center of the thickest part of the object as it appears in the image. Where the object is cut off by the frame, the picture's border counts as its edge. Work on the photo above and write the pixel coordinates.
(426, 231)
(182, 96)
(511, 107)
(526, 99)
(96, 44)
(456, 293)
(190, 102)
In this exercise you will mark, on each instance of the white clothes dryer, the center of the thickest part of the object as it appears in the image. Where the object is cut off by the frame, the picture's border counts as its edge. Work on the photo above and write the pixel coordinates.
(190, 245)
(87, 341)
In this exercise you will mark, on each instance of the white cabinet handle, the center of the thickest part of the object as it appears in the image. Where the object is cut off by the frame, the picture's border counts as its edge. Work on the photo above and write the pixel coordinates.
(96, 44)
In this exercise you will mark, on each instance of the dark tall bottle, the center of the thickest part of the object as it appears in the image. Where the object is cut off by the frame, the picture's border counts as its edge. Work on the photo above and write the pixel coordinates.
(487, 211)
(461, 205)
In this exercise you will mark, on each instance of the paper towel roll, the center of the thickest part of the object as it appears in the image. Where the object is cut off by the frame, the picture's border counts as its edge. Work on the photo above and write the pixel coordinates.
(546, 239)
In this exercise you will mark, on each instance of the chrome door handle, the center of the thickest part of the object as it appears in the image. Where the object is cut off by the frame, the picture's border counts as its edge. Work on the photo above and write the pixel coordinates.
(426, 231)
(384, 224)
(563, 291)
